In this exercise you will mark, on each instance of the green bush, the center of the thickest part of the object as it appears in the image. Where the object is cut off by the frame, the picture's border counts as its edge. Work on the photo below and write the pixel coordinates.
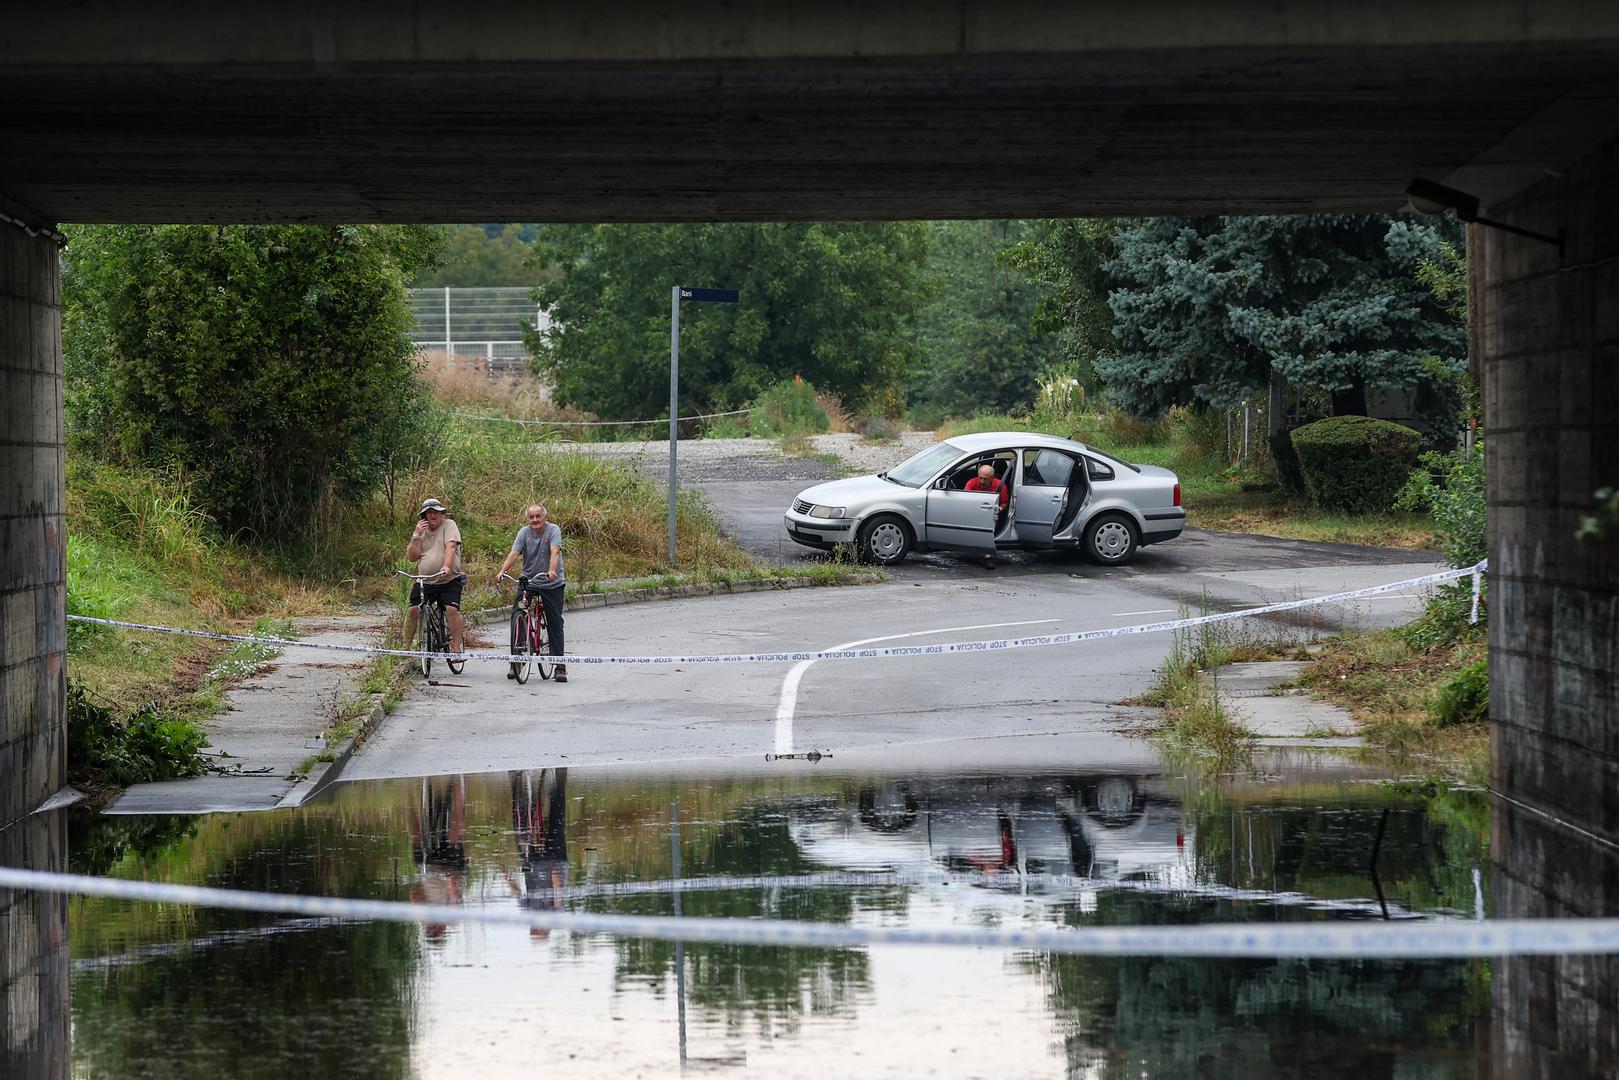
(1451, 488)
(788, 408)
(1355, 464)
(1464, 698)
(142, 747)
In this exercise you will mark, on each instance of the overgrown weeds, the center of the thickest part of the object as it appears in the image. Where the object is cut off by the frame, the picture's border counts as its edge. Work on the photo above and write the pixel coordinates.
(1194, 718)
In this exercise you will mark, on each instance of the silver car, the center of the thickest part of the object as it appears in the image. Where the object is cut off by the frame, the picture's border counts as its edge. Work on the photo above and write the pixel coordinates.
(1064, 494)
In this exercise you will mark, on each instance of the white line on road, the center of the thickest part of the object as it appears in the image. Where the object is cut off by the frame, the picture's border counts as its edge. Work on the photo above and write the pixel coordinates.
(1154, 611)
(788, 703)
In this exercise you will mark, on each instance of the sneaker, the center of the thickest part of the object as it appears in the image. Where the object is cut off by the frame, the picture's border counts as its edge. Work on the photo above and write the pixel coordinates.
(561, 674)
(989, 562)
(511, 672)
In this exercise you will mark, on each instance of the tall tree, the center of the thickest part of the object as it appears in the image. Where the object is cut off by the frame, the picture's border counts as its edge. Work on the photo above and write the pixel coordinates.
(1206, 309)
(835, 303)
(1065, 259)
(271, 362)
(976, 334)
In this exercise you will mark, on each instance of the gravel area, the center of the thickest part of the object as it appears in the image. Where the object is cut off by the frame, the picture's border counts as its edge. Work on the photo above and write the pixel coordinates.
(863, 457)
(704, 460)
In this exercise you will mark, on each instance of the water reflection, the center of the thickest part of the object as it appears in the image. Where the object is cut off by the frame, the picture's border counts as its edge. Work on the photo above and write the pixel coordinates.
(165, 991)
(33, 957)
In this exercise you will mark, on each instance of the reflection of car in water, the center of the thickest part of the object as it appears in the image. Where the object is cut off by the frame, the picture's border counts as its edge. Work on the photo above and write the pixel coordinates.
(1090, 826)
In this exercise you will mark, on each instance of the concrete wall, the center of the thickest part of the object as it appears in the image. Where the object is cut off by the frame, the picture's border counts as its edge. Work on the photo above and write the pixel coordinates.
(1548, 345)
(34, 965)
(32, 525)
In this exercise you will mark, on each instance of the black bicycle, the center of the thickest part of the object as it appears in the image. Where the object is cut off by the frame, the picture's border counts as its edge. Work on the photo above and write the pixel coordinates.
(529, 637)
(435, 630)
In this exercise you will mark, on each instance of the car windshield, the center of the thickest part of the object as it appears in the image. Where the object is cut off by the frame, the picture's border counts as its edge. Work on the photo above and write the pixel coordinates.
(918, 470)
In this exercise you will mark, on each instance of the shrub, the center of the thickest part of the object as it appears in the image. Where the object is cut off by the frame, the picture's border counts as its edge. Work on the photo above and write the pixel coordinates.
(142, 747)
(876, 429)
(1451, 487)
(788, 408)
(1355, 464)
(1464, 698)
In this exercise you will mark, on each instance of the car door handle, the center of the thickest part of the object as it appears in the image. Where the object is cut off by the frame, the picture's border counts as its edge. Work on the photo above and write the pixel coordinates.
(986, 506)
(1056, 498)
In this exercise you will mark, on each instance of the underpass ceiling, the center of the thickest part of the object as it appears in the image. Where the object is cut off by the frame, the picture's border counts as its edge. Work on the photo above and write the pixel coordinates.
(1099, 134)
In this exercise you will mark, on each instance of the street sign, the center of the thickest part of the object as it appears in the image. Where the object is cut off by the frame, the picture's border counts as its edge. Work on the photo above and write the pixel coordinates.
(715, 296)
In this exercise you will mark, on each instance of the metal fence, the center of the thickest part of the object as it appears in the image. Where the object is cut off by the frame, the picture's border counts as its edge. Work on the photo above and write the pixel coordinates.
(477, 328)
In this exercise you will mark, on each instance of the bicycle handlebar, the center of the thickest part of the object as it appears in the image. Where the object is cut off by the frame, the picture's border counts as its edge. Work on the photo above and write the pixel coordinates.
(419, 577)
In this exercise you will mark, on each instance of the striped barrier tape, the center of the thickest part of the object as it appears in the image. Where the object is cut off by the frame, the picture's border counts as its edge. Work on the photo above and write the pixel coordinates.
(1031, 642)
(595, 423)
(1350, 939)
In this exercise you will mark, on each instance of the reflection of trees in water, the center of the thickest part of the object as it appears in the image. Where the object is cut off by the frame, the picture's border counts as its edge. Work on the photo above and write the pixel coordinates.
(738, 982)
(335, 1001)
(1139, 1016)
(1367, 1019)
(227, 993)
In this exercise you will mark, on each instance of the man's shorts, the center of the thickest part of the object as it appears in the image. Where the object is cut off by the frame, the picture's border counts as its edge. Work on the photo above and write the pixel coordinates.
(448, 594)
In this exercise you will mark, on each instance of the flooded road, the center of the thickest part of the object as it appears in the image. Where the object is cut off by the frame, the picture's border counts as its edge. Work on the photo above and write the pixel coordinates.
(1037, 839)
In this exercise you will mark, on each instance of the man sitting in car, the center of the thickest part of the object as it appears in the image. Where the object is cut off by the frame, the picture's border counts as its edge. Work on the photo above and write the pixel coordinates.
(986, 480)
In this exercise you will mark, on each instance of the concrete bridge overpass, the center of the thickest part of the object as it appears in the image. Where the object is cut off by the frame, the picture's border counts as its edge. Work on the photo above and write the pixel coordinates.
(644, 110)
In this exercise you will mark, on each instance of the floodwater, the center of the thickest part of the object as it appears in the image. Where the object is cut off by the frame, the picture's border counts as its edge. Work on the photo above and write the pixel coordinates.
(1041, 838)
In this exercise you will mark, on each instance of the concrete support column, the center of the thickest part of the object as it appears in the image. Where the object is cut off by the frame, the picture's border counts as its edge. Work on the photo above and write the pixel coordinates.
(33, 507)
(1547, 338)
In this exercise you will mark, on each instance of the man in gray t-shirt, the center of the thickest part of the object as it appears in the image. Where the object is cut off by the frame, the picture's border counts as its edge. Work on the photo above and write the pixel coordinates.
(539, 545)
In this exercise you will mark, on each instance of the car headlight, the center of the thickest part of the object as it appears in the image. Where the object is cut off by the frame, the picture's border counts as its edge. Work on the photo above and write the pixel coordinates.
(826, 511)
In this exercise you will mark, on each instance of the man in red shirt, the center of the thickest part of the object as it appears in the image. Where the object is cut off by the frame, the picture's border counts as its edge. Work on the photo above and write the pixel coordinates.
(986, 480)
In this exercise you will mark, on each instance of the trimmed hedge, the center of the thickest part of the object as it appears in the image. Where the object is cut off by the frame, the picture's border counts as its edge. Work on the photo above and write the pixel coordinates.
(1355, 464)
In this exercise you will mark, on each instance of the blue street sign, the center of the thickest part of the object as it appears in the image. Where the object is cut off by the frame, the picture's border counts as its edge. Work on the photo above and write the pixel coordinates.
(717, 296)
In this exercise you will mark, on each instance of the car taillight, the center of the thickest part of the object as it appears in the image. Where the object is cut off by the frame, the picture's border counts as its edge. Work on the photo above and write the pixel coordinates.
(1177, 494)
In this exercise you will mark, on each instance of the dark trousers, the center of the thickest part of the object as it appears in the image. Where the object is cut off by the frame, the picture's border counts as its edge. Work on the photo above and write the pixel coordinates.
(552, 601)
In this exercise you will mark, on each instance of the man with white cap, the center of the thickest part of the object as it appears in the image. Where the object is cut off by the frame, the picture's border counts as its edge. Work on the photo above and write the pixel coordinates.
(435, 548)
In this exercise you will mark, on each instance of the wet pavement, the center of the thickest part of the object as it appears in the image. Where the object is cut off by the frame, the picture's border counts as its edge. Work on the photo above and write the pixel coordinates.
(1031, 833)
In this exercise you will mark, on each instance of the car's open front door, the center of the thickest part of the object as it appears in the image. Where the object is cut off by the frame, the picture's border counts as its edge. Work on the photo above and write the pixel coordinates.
(962, 519)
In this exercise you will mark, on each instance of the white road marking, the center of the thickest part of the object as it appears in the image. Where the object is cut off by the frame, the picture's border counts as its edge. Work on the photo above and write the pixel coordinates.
(1154, 611)
(788, 703)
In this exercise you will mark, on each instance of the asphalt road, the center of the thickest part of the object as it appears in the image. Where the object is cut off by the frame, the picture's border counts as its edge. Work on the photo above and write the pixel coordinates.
(481, 721)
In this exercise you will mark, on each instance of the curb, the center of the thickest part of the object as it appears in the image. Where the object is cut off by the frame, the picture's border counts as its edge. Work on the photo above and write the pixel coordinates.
(326, 773)
(587, 601)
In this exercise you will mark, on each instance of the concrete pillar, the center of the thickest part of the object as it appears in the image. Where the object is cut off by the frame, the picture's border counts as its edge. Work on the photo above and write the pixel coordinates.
(34, 964)
(33, 687)
(1548, 342)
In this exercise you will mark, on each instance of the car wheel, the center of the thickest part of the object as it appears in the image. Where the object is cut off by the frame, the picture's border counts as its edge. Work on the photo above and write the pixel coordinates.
(1110, 539)
(885, 539)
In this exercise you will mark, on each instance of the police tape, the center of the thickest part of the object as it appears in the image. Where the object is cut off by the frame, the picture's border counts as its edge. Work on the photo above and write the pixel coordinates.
(1001, 881)
(1346, 939)
(942, 649)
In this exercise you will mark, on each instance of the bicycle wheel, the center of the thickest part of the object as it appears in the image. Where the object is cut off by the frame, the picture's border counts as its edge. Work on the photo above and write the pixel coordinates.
(433, 636)
(540, 639)
(521, 669)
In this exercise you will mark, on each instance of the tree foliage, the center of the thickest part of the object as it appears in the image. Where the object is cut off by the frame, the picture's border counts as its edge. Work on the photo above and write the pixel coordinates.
(1206, 308)
(271, 363)
(478, 256)
(980, 351)
(835, 303)
(1065, 260)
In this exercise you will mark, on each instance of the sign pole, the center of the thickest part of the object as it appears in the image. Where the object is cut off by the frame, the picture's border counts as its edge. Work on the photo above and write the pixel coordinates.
(674, 409)
(677, 294)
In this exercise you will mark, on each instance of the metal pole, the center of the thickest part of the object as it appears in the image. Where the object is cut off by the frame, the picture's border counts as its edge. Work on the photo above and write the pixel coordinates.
(674, 408)
(680, 946)
(1245, 433)
(449, 343)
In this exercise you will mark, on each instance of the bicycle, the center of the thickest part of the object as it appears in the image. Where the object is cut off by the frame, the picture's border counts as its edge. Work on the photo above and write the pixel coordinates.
(435, 634)
(529, 636)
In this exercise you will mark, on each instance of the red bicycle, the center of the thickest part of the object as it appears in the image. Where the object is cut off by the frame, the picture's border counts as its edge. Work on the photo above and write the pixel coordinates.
(529, 637)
